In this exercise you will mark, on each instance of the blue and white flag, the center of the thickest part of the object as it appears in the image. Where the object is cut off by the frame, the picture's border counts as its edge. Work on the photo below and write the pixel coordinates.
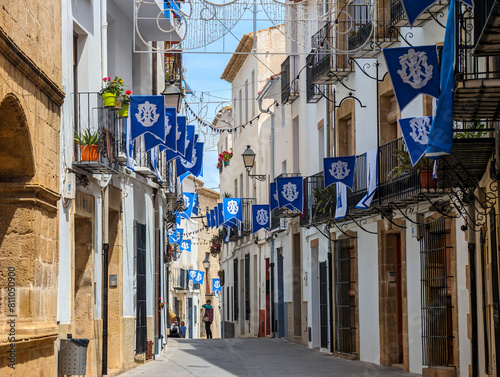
(414, 8)
(469, 3)
(441, 134)
(216, 287)
(195, 166)
(209, 219)
(151, 141)
(416, 135)
(213, 220)
(155, 153)
(130, 147)
(273, 196)
(216, 214)
(188, 198)
(228, 233)
(170, 128)
(192, 274)
(181, 135)
(341, 207)
(220, 214)
(185, 245)
(195, 204)
(232, 209)
(291, 193)
(261, 217)
(371, 178)
(339, 169)
(413, 71)
(189, 142)
(147, 115)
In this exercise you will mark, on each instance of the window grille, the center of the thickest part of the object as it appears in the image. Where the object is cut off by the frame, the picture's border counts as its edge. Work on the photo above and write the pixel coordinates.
(436, 281)
(345, 296)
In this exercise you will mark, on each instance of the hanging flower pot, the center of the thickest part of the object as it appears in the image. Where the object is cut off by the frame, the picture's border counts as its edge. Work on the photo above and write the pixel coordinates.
(109, 99)
(426, 180)
(226, 163)
(89, 152)
(123, 112)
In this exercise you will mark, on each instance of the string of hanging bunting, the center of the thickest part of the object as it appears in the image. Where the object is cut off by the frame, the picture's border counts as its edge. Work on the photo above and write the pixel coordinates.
(229, 130)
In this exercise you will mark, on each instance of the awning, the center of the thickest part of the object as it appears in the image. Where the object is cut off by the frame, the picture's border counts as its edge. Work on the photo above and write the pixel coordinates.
(152, 22)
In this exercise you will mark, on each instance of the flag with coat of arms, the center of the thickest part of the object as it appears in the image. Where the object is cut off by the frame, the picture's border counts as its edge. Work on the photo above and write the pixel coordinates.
(339, 169)
(290, 193)
(261, 217)
(147, 115)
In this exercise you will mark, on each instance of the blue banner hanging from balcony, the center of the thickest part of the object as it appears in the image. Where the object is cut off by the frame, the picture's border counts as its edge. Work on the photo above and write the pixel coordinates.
(441, 134)
(220, 214)
(414, 8)
(185, 245)
(209, 219)
(181, 135)
(416, 136)
(188, 198)
(371, 178)
(154, 156)
(174, 236)
(413, 71)
(227, 235)
(260, 217)
(232, 209)
(195, 166)
(188, 156)
(273, 196)
(195, 204)
(196, 276)
(213, 221)
(291, 193)
(147, 115)
(170, 128)
(341, 206)
(216, 287)
(339, 169)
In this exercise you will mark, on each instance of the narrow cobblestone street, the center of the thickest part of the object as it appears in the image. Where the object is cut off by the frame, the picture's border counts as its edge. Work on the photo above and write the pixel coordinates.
(253, 357)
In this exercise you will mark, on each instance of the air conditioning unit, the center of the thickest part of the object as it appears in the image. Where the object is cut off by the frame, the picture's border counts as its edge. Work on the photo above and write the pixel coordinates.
(69, 186)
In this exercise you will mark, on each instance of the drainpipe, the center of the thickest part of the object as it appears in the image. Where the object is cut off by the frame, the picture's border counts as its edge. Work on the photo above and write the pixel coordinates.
(271, 265)
(105, 255)
(105, 246)
(157, 319)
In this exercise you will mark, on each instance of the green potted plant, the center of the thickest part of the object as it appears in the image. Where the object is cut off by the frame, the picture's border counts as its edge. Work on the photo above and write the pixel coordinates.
(123, 112)
(112, 89)
(404, 167)
(89, 145)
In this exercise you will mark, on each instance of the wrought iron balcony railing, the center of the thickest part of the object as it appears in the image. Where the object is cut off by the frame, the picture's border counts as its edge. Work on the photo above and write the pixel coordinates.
(97, 133)
(246, 226)
(434, 12)
(289, 82)
(319, 202)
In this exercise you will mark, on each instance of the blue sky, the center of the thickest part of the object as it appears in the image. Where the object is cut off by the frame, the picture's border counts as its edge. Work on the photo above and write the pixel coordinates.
(203, 76)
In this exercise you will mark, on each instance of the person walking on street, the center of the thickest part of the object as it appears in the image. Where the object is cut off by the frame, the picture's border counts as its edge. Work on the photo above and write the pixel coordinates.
(208, 317)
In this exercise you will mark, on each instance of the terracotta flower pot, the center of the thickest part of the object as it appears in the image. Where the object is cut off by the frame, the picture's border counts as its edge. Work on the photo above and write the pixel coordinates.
(426, 180)
(123, 112)
(89, 152)
(108, 99)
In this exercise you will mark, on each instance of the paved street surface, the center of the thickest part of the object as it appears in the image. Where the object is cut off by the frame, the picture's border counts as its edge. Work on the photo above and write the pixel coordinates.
(252, 357)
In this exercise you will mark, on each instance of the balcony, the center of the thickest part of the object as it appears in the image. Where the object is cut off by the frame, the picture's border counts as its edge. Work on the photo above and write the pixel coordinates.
(313, 91)
(246, 225)
(477, 93)
(487, 23)
(97, 135)
(398, 16)
(289, 83)
(319, 202)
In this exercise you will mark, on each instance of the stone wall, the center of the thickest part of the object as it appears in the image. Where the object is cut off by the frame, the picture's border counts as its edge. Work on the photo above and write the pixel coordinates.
(30, 100)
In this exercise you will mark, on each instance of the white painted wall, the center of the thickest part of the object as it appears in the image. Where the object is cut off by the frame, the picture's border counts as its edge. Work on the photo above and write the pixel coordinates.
(369, 331)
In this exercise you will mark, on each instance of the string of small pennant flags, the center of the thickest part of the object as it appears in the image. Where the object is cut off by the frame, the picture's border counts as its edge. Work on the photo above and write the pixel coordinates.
(220, 130)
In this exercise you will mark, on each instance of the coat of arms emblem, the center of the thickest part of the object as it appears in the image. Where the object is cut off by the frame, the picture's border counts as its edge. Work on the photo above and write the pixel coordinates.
(147, 114)
(415, 70)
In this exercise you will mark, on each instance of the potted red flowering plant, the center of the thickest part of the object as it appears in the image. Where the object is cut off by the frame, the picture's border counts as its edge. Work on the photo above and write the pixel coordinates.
(112, 89)
(123, 112)
(215, 244)
(224, 158)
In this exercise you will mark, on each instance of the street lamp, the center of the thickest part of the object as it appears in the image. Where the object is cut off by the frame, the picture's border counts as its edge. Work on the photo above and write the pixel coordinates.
(249, 162)
(206, 266)
(173, 96)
